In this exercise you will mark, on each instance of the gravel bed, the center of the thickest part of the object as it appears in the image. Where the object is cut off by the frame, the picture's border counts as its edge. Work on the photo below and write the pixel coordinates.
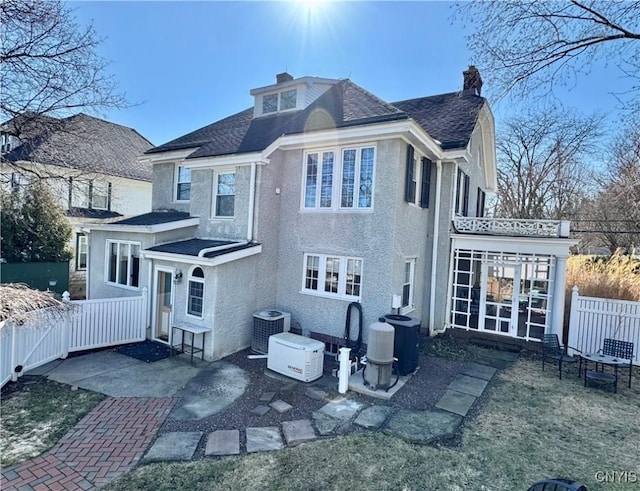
(423, 390)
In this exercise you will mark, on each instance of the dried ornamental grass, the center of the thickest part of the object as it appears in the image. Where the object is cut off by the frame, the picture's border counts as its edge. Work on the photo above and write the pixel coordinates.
(18, 302)
(617, 277)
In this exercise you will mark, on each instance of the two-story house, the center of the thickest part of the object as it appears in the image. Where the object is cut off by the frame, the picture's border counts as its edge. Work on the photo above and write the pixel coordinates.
(91, 166)
(319, 195)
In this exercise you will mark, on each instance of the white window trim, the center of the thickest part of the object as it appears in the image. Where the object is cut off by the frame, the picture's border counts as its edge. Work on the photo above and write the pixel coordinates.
(176, 183)
(107, 256)
(99, 184)
(336, 189)
(214, 195)
(342, 275)
(80, 238)
(195, 279)
(412, 284)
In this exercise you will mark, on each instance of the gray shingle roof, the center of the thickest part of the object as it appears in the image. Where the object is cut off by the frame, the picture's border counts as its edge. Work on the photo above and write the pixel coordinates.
(449, 118)
(154, 218)
(192, 247)
(86, 143)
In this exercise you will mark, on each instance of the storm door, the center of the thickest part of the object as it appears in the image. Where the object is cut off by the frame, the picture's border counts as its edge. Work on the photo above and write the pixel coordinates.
(163, 304)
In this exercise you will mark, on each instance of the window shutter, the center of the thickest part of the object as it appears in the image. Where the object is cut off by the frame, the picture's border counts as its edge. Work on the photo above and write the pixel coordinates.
(465, 205)
(70, 192)
(426, 182)
(90, 194)
(109, 197)
(409, 188)
(458, 190)
(480, 203)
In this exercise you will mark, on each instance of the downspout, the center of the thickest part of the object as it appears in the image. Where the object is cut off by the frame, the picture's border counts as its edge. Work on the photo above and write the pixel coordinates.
(252, 202)
(434, 251)
(87, 278)
(152, 297)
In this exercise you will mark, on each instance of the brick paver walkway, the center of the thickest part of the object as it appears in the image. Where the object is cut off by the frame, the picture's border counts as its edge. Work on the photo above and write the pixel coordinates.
(104, 444)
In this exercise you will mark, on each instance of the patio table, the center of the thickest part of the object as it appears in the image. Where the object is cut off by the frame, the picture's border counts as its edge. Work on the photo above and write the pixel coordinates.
(193, 330)
(597, 358)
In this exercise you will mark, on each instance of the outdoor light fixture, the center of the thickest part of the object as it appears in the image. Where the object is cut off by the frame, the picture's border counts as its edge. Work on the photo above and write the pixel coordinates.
(53, 283)
(178, 277)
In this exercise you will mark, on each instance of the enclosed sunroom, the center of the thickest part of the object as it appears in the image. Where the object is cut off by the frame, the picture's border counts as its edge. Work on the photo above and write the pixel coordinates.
(507, 277)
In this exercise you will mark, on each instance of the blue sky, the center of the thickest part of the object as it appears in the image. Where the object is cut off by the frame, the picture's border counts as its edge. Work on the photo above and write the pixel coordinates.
(188, 64)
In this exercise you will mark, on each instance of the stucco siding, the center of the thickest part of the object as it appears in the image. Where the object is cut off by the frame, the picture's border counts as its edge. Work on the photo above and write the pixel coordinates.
(383, 238)
(164, 189)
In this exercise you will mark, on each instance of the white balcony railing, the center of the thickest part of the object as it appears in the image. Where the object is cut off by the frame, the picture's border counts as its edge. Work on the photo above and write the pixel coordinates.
(512, 227)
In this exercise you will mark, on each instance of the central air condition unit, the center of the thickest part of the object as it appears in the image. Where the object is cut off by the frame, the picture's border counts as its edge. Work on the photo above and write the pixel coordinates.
(266, 323)
(296, 356)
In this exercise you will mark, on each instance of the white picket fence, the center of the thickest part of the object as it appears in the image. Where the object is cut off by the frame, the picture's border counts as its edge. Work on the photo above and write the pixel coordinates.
(594, 319)
(88, 324)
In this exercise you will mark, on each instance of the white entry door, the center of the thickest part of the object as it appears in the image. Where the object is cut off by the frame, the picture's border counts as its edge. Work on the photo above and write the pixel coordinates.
(163, 303)
(500, 289)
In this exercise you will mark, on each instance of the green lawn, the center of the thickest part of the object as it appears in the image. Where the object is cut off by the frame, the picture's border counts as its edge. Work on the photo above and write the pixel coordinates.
(533, 426)
(36, 413)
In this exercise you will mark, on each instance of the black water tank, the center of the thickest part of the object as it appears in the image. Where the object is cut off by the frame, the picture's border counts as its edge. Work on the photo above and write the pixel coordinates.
(405, 341)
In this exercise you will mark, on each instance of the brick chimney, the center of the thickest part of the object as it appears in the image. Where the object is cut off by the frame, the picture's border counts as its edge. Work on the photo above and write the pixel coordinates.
(472, 81)
(283, 77)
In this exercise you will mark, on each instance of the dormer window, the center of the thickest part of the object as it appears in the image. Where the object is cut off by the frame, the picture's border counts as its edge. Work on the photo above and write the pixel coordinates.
(281, 101)
(270, 103)
(288, 99)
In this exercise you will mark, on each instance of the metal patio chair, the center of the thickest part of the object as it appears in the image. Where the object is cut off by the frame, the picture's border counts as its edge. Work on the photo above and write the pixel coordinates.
(552, 350)
(619, 349)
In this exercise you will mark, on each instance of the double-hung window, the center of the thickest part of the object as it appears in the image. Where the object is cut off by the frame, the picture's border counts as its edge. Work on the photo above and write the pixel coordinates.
(224, 194)
(123, 263)
(99, 195)
(333, 276)
(339, 180)
(408, 284)
(183, 183)
(196, 292)
(82, 249)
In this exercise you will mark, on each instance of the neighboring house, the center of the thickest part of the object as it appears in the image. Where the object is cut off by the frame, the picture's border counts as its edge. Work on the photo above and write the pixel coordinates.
(91, 167)
(320, 195)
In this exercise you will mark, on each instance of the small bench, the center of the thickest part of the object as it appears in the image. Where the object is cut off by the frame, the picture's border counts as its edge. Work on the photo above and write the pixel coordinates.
(601, 377)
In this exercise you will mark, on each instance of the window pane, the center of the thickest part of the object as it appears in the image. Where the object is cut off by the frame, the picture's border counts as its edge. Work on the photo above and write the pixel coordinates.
(270, 103)
(311, 181)
(326, 185)
(184, 184)
(288, 99)
(225, 199)
(311, 275)
(348, 178)
(79, 194)
(406, 289)
(135, 264)
(332, 275)
(113, 262)
(354, 275)
(123, 270)
(407, 272)
(366, 178)
(196, 293)
(81, 253)
(100, 195)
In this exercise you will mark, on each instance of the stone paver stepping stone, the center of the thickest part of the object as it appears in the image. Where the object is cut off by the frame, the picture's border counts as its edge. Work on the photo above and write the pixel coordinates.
(422, 427)
(177, 445)
(477, 370)
(267, 396)
(317, 394)
(494, 358)
(456, 402)
(342, 410)
(298, 431)
(281, 406)
(326, 425)
(223, 442)
(264, 439)
(373, 417)
(468, 385)
(261, 410)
